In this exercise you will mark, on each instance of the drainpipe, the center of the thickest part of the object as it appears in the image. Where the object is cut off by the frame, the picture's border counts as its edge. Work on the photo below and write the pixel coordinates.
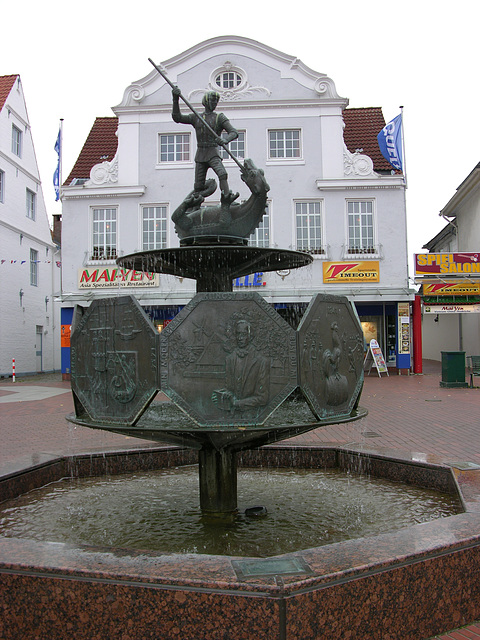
(417, 335)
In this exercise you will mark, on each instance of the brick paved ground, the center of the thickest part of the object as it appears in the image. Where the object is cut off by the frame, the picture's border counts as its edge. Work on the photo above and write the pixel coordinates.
(406, 413)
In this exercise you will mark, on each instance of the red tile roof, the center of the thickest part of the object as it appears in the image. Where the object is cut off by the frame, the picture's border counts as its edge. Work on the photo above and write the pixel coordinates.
(101, 145)
(6, 84)
(361, 129)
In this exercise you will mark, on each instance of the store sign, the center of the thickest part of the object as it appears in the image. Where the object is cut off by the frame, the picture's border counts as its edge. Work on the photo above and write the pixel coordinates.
(65, 331)
(375, 356)
(114, 277)
(451, 289)
(427, 264)
(451, 308)
(404, 327)
(357, 271)
(255, 280)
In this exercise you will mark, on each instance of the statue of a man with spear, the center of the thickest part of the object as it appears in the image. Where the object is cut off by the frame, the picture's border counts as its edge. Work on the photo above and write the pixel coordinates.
(207, 155)
(243, 218)
(208, 127)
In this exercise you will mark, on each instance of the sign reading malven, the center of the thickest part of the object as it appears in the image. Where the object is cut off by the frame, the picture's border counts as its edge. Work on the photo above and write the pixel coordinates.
(427, 264)
(114, 277)
(348, 271)
(451, 308)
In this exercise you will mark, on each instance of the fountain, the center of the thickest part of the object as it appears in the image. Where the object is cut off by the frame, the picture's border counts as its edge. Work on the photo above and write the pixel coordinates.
(228, 360)
(229, 364)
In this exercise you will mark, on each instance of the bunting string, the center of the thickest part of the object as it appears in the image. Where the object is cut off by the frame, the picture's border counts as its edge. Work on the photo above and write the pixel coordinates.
(20, 262)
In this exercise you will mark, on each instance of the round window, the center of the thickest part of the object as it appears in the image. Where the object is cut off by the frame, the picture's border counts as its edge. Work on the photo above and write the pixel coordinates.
(228, 80)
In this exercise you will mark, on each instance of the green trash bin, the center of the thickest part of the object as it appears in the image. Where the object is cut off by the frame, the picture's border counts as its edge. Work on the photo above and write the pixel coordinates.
(453, 369)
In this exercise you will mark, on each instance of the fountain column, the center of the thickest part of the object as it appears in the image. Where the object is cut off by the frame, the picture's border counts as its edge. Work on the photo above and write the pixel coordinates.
(218, 480)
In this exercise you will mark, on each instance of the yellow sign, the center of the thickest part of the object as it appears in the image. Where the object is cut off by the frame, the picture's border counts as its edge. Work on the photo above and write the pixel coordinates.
(428, 264)
(451, 289)
(351, 271)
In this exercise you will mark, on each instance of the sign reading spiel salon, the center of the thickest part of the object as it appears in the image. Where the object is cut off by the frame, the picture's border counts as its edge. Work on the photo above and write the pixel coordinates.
(115, 277)
(427, 264)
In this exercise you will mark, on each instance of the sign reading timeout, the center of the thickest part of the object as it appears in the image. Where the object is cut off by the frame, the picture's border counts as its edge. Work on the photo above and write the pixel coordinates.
(351, 271)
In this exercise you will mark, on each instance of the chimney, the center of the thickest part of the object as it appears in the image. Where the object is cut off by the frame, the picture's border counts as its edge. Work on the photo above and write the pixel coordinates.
(57, 229)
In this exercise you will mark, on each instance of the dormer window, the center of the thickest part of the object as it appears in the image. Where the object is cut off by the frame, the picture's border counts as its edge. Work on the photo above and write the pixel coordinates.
(228, 80)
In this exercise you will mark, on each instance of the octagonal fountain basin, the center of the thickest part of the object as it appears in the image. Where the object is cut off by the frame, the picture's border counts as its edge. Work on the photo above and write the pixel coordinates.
(414, 581)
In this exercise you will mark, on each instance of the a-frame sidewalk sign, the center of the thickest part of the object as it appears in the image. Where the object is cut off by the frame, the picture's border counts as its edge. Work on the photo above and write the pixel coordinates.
(375, 357)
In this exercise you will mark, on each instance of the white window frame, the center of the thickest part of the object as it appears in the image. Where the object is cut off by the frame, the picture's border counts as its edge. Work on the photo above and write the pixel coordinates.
(221, 72)
(311, 244)
(285, 159)
(261, 237)
(104, 240)
(234, 147)
(34, 267)
(185, 138)
(31, 204)
(157, 215)
(230, 79)
(2, 185)
(364, 245)
(17, 141)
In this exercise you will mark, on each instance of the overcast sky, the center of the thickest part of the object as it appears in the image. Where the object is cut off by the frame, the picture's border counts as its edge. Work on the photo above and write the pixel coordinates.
(76, 59)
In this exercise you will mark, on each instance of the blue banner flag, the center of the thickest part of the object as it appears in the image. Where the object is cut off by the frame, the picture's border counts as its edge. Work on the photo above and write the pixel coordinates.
(56, 175)
(390, 142)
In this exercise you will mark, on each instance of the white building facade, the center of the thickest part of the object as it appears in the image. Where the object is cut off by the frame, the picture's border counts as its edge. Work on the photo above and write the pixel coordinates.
(29, 274)
(451, 308)
(325, 199)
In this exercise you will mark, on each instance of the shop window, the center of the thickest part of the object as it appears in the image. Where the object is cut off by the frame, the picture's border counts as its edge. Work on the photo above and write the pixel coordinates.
(154, 228)
(33, 267)
(104, 234)
(31, 202)
(228, 80)
(236, 147)
(390, 324)
(261, 236)
(16, 141)
(308, 218)
(174, 147)
(361, 233)
(284, 143)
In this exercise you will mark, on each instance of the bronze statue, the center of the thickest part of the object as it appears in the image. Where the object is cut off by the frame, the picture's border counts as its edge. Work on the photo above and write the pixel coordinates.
(207, 155)
(228, 221)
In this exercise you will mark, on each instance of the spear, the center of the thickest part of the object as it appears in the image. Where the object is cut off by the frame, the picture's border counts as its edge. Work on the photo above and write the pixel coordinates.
(205, 124)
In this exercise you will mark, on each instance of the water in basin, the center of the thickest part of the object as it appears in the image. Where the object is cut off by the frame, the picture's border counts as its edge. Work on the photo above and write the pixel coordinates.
(159, 511)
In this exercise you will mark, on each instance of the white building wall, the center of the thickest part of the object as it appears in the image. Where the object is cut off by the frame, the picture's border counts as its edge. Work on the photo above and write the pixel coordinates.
(282, 94)
(461, 330)
(27, 327)
(439, 336)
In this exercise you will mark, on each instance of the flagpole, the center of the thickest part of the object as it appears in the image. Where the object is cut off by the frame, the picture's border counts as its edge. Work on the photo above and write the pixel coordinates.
(60, 172)
(403, 150)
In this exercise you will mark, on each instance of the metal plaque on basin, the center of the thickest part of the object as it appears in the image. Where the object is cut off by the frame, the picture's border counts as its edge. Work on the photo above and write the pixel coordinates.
(266, 567)
(228, 359)
(114, 361)
(330, 355)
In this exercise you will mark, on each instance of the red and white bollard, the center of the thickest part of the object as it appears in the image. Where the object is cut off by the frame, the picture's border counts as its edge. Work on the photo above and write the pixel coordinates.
(13, 369)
